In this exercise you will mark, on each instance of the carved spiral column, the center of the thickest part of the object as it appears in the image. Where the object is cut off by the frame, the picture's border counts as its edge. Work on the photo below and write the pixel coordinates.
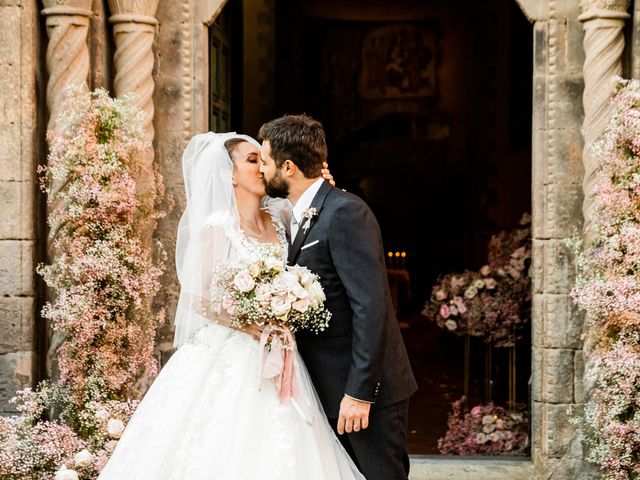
(603, 22)
(134, 26)
(67, 62)
(67, 51)
(67, 24)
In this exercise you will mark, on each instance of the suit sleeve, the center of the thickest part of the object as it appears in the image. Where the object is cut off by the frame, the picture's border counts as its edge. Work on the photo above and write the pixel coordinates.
(358, 256)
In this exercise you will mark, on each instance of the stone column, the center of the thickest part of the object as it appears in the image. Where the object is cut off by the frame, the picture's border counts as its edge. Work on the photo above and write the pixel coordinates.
(67, 51)
(134, 26)
(603, 22)
(67, 64)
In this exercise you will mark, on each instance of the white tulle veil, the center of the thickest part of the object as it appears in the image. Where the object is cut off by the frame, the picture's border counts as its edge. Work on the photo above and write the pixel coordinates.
(202, 242)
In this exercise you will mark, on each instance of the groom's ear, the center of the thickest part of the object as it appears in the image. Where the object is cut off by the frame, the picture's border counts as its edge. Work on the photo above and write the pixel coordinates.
(289, 168)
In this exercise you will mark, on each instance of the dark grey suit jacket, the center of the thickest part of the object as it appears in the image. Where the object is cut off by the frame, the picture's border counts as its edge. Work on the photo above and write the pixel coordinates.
(362, 353)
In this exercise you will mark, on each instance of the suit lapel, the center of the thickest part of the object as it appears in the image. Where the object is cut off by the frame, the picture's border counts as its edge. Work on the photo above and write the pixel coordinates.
(318, 200)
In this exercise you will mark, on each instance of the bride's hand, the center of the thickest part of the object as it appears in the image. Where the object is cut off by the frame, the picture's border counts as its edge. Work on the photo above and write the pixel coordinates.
(326, 174)
(254, 330)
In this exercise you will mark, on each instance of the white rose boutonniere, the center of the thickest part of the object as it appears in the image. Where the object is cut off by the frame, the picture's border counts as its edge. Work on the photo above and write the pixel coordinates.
(308, 214)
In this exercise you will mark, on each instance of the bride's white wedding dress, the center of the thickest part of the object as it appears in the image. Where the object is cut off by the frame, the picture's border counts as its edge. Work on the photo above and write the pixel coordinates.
(205, 418)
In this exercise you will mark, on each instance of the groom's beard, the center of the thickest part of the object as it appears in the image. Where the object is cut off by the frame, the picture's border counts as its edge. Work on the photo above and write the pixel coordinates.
(277, 187)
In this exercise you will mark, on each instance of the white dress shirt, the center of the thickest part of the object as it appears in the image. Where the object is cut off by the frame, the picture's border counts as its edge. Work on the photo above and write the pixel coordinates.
(302, 204)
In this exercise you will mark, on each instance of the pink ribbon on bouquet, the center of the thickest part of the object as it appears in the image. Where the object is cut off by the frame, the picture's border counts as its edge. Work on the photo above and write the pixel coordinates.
(278, 362)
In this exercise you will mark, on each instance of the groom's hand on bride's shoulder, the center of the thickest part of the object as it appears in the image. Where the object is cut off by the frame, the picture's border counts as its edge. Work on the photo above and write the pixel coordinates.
(353, 416)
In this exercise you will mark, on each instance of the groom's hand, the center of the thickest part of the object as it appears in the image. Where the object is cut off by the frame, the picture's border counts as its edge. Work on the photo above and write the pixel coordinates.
(353, 416)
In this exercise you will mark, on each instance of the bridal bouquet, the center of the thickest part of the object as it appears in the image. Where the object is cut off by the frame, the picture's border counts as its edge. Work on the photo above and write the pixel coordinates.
(267, 292)
(282, 299)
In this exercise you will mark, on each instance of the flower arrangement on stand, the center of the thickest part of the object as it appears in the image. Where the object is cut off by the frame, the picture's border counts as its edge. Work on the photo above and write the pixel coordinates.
(485, 430)
(607, 288)
(104, 279)
(494, 302)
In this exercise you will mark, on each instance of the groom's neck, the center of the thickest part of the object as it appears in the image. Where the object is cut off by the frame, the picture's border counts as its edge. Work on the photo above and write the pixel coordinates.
(298, 187)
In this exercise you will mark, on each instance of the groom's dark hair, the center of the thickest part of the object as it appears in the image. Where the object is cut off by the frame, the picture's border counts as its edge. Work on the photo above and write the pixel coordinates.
(298, 138)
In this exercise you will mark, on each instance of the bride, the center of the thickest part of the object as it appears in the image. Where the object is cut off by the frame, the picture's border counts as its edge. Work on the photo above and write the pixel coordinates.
(207, 415)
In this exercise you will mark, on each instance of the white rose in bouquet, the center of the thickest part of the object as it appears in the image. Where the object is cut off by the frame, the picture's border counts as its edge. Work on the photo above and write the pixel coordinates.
(273, 263)
(66, 474)
(299, 291)
(471, 292)
(305, 276)
(263, 293)
(115, 427)
(284, 282)
(244, 282)
(316, 293)
(255, 269)
(83, 458)
(302, 305)
(280, 305)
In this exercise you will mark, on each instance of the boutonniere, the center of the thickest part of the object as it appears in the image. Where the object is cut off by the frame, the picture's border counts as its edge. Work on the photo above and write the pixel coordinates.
(308, 214)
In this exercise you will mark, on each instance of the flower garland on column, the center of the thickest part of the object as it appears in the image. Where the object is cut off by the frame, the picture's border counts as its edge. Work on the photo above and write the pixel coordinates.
(608, 287)
(104, 280)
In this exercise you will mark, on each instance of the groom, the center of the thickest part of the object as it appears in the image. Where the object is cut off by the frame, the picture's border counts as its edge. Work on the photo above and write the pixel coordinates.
(359, 365)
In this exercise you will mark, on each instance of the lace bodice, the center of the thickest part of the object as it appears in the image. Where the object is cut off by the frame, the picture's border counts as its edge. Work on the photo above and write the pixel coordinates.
(245, 250)
(250, 249)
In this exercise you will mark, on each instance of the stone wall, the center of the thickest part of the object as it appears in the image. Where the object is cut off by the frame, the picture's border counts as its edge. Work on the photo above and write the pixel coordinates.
(19, 147)
(174, 117)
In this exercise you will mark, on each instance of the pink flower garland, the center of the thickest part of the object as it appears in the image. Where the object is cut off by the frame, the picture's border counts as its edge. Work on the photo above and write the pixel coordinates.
(607, 287)
(103, 276)
(104, 280)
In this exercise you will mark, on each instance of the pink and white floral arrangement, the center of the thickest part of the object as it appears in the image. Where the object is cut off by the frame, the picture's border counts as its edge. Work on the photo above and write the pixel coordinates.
(607, 288)
(103, 278)
(485, 430)
(494, 302)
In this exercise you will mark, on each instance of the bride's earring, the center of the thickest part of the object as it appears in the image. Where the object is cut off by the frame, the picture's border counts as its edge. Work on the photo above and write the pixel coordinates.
(234, 183)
